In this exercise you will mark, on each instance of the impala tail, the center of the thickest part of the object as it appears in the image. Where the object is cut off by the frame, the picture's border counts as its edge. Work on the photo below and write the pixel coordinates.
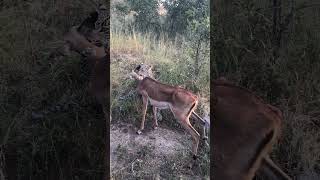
(205, 122)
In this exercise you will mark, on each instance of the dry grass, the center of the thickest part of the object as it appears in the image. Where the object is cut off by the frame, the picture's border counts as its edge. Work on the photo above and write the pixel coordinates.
(49, 128)
(291, 82)
(171, 65)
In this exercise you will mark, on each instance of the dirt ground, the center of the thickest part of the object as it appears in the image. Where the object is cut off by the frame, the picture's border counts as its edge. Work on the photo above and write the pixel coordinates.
(155, 154)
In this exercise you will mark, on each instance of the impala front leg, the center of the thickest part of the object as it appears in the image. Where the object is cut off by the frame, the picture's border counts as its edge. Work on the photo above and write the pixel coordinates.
(144, 111)
(155, 122)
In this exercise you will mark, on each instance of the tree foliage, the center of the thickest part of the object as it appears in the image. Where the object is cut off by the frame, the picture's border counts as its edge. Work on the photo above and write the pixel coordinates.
(147, 17)
(181, 17)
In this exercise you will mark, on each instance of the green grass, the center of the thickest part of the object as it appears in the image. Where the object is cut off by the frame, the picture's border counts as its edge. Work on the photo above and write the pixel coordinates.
(171, 65)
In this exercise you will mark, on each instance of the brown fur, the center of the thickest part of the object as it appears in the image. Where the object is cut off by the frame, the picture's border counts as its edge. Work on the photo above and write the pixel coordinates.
(74, 41)
(182, 102)
(98, 79)
(97, 60)
(84, 40)
(244, 131)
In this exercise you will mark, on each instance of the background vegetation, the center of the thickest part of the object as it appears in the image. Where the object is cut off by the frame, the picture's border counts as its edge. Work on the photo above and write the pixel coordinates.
(273, 48)
(173, 37)
(49, 128)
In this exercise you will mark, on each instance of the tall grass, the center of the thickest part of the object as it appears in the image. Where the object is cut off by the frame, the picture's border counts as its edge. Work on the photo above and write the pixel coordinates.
(172, 64)
(243, 52)
(49, 128)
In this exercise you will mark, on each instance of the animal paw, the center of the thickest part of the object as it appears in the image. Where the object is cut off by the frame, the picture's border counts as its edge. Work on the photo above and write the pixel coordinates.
(139, 132)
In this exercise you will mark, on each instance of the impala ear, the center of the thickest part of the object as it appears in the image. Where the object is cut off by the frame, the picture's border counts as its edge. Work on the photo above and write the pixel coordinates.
(89, 23)
(138, 68)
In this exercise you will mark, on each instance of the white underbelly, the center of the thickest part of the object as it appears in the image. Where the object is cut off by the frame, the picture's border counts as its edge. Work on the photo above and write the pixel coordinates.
(160, 104)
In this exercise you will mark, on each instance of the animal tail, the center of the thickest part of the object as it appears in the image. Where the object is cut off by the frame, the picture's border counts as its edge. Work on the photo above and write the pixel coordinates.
(196, 116)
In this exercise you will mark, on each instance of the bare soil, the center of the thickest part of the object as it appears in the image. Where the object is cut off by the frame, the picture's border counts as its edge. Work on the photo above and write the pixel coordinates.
(155, 154)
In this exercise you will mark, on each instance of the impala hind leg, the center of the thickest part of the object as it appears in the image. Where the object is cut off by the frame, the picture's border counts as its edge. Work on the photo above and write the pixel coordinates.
(195, 135)
(144, 111)
(155, 122)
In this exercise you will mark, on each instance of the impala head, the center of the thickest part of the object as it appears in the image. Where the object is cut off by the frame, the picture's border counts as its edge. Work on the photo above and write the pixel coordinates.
(86, 38)
(141, 71)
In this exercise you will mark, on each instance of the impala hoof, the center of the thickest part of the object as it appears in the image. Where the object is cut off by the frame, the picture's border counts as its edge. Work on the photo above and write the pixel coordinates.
(155, 127)
(139, 132)
(205, 138)
(194, 157)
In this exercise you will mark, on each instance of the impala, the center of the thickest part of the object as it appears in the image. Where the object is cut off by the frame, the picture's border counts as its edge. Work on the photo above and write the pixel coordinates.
(181, 102)
(82, 39)
(244, 131)
(85, 39)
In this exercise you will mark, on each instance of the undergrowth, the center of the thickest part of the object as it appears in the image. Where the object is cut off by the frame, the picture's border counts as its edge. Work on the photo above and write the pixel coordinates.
(286, 76)
(49, 127)
(171, 65)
